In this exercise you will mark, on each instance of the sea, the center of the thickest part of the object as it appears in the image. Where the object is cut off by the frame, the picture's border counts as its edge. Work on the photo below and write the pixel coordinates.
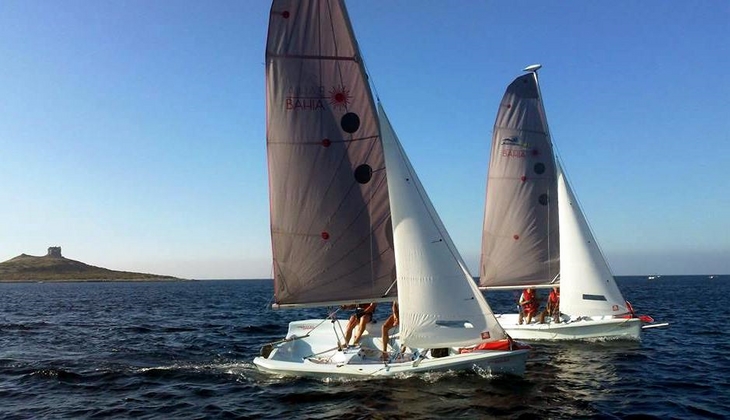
(184, 350)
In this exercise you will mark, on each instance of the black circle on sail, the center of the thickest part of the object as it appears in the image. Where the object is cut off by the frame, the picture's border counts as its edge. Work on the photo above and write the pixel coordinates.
(350, 122)
(363, 173)
(539, 168)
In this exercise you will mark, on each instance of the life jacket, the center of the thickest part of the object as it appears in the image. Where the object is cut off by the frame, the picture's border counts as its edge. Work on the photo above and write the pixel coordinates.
(531, 298)
(554, 298)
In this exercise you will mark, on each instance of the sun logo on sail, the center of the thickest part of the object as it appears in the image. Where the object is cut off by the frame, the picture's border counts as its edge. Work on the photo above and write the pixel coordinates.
(339, 97)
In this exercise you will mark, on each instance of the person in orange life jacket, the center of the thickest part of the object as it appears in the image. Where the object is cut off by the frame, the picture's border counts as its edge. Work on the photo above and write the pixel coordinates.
(363, 314)
(553, 306)
(529, 304)
(389, 323)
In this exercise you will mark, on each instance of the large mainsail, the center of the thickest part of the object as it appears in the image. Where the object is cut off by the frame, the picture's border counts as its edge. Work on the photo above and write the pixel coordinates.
(520, 239)
(330, 214)
(586, 283)
(440, 304)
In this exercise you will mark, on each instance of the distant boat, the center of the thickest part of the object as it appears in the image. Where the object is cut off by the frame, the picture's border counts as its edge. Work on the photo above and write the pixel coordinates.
(348, 212)
(535, 234)
(653, 277)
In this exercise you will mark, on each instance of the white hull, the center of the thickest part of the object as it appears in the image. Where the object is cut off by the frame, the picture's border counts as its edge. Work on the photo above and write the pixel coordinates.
(318, 356)
(586, 328)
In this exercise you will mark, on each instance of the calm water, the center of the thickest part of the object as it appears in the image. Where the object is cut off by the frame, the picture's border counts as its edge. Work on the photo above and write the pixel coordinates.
(184, 350)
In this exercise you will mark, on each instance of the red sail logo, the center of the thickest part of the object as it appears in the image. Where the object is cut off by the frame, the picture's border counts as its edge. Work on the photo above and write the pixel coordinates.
(339, 97)
(314, 98)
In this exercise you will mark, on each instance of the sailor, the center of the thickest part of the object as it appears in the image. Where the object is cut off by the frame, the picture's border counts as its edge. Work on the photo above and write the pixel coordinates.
(553, 306)
(363, 314)
(529, 304)
(389, 323)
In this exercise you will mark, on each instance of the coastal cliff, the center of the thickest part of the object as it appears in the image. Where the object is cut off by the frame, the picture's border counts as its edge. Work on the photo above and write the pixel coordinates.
(55, 267)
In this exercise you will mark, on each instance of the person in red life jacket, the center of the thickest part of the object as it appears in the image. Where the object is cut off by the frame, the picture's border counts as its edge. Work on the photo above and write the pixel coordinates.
(363, 314)
(529, 304)
(553, 306)
(389, 323)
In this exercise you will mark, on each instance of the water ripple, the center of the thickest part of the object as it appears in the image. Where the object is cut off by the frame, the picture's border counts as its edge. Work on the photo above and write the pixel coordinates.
(126, 350)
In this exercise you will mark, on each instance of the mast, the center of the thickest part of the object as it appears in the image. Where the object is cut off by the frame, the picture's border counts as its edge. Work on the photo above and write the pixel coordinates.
(555, 281)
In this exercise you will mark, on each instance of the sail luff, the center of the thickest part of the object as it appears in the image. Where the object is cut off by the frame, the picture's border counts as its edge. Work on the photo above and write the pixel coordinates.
(440, 305)
(331, 236)
(520, 240)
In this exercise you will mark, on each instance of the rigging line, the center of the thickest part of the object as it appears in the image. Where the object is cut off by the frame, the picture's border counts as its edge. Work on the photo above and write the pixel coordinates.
(420, 190)
(321, 352)
(370, 79)
(360, 56)
(585, 219)
(391, 286)
(334, 328)
(323, 321)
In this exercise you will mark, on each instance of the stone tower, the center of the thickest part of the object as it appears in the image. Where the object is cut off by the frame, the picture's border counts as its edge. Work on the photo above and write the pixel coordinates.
(54, 251)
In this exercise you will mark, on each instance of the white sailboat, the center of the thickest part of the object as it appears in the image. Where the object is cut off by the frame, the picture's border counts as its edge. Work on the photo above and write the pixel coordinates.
(342, 229)
(535, 234)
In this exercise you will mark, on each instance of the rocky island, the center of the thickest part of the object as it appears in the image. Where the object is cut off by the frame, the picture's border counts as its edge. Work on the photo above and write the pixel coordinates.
(55, 267)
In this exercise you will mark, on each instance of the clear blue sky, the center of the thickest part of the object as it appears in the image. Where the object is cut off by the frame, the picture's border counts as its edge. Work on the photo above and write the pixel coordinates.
(132, 133)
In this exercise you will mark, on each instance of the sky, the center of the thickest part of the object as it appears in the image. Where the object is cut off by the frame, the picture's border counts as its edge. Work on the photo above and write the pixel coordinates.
(132, 133)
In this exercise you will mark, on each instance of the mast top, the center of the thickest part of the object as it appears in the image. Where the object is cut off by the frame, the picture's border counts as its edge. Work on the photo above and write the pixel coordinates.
(533, 68)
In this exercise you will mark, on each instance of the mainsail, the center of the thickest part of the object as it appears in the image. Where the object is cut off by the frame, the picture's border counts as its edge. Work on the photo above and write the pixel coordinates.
(520, 240)
(330, 214)
(440, 304)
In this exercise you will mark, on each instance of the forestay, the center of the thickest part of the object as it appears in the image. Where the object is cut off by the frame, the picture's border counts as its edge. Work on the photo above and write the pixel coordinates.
(330, 214)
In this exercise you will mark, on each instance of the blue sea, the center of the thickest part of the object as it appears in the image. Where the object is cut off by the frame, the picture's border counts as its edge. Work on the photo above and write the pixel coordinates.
(185, 349)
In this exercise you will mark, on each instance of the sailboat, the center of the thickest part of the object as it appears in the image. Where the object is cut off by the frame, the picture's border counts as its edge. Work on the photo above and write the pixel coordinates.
(536, 236)
(351, 222)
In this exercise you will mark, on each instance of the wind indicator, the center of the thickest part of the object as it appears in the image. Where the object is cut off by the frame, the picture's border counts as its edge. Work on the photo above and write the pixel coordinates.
(533, 68)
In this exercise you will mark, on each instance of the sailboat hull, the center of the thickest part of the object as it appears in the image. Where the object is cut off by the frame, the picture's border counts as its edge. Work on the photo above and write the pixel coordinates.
(317, 355)
(595, 328)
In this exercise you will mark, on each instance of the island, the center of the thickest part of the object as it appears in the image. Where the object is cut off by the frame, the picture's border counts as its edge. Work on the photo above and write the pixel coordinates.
(54, 267)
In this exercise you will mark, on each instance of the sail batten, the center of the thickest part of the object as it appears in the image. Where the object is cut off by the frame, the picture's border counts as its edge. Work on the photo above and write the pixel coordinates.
(314, 57)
